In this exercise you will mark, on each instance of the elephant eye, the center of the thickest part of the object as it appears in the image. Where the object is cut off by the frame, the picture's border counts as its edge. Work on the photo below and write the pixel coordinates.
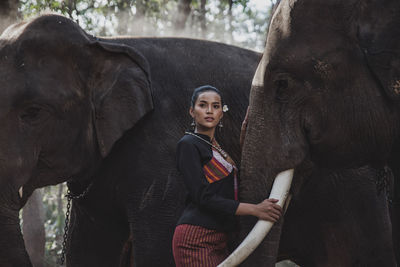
(281, 86)
(30, 114)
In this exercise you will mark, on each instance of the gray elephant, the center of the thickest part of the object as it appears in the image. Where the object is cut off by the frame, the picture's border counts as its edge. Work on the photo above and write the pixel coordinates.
(325, 102)
(106, 114)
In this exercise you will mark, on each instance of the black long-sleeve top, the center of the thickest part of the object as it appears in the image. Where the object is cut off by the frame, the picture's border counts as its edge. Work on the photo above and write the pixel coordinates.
(208, 204)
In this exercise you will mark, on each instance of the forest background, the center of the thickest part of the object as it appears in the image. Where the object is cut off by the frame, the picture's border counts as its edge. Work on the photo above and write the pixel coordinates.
(238, 22)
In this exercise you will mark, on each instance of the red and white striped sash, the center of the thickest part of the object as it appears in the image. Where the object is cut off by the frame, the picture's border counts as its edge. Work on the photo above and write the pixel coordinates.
(218, 168)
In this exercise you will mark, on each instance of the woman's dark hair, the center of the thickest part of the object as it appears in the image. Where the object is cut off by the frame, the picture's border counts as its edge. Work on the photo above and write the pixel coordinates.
(202, 89)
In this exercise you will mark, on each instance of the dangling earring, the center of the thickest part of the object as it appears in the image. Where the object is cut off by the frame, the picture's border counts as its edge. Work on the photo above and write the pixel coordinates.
(220, 125)
(193, 124)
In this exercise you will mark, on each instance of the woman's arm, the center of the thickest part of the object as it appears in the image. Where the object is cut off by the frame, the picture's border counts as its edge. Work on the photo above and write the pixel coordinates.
(266, 210)
(189, 164)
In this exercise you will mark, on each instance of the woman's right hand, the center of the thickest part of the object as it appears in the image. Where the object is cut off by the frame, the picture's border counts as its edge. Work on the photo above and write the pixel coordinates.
(268, 210)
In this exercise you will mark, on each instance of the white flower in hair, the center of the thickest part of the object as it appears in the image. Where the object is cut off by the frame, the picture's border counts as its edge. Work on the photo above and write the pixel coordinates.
(225, 108)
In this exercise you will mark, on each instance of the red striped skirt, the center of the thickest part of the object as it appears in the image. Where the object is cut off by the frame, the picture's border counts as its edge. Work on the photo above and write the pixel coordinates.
(196, 246)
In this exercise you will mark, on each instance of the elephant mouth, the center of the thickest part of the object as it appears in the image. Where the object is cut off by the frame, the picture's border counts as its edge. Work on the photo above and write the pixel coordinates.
(280, 190)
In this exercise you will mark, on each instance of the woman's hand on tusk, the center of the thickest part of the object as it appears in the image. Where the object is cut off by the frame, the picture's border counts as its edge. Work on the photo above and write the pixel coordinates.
(268, 210)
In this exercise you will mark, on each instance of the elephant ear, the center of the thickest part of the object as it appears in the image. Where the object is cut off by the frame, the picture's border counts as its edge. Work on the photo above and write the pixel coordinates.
(121, 91)
(378, 33)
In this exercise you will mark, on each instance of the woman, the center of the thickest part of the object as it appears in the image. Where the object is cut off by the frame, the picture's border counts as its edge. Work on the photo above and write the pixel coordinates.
(209, 174)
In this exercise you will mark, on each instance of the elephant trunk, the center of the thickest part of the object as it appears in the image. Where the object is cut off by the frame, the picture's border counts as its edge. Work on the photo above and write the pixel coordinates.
(256, 183)
(271, 146)
(257, 179)
(12, 247)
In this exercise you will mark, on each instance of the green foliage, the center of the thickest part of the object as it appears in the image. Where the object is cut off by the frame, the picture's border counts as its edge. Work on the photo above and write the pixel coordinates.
(242, 25)
(54, 204)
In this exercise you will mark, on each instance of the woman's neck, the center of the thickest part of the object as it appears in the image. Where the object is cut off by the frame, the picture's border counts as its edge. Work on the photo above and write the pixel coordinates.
(206, 131)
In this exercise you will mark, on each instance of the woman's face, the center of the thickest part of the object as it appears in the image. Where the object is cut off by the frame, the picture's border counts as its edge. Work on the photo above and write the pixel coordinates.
(207, 111)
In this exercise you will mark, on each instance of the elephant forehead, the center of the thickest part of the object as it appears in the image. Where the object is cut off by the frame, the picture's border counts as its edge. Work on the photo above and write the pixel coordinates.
(294, 39)
(299, 57)
(29, 83)
(11, 85)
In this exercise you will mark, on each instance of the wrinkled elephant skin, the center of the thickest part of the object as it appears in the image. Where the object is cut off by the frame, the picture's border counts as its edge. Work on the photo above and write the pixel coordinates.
(106, 113)
(325, 101)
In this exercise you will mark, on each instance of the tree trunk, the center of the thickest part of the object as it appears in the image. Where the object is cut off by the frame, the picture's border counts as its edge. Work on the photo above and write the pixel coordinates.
(203, 25)
(8, 13)
(60, 212)
(71, 4)
(230, 20)
(33, 228)
(139, 19)
(9, 8)
(184, 10)
(124, 18)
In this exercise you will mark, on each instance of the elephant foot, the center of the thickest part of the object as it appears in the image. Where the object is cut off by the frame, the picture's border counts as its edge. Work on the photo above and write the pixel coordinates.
(127, 253)
(396, 228)
(12, 247)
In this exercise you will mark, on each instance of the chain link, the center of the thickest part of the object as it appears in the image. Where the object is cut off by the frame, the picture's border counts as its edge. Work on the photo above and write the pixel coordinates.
(70, 197)
(66, 226)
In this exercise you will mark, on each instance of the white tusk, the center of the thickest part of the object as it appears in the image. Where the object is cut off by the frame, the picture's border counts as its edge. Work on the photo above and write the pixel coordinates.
(287, 202)
(20, 191)
(280, 190)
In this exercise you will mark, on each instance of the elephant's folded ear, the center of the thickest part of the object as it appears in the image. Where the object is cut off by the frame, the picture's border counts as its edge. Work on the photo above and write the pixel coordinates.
(121, 91)
(378, 33)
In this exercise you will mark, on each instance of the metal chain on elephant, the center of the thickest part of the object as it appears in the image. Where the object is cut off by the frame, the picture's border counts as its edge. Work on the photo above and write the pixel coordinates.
(70, 197)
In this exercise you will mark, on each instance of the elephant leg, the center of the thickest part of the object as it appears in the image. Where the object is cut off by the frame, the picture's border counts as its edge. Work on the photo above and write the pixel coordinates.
(12, 249)
(152, 239)
(127, 253)
(153, 207)
(396, 228)
(394, 164)
(152, 246)
(339, 219)
(94, 239)
(395, 218)
(293, 245)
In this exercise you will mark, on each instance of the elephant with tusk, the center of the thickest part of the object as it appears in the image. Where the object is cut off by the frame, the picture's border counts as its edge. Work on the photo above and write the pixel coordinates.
(325, 102)
(105, 114)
